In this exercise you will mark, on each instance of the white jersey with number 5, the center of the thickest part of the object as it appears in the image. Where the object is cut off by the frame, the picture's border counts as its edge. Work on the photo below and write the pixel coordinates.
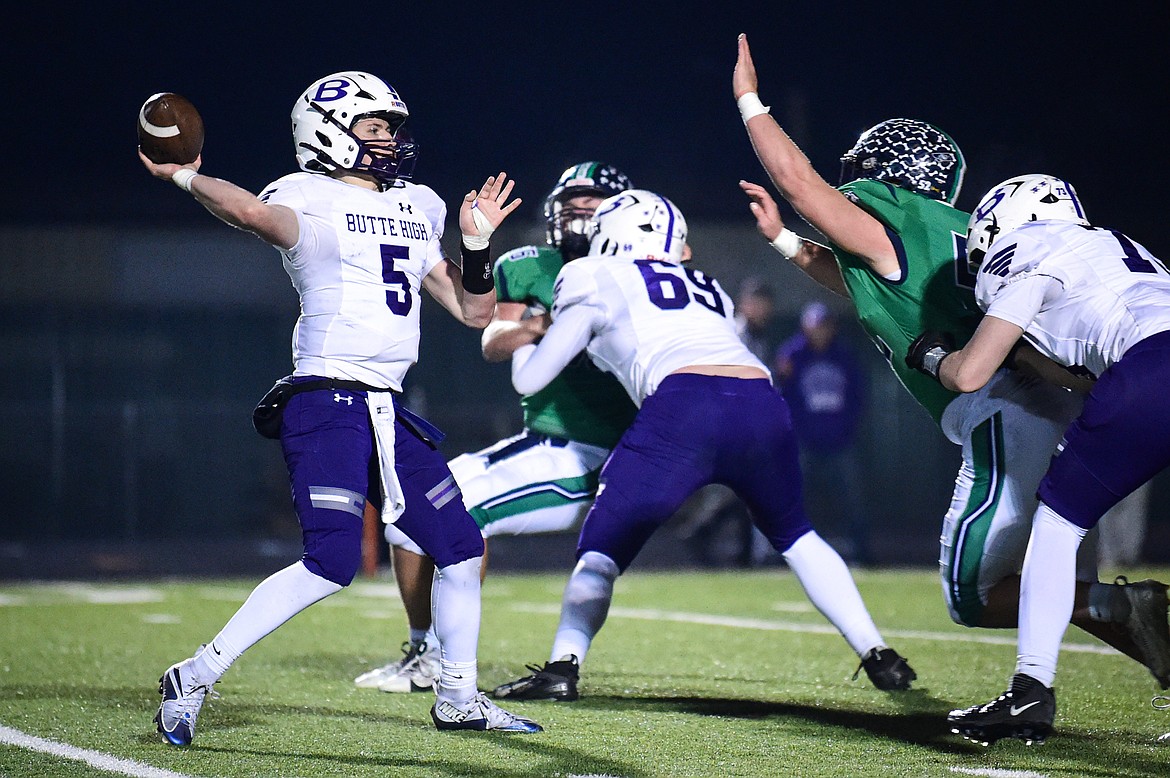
(1084, 295)
(358, 266)
(652, 318)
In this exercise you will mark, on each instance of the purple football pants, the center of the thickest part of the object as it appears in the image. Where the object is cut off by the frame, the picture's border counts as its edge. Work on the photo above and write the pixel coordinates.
(693, 431)
(328, 446)
(1120, 440)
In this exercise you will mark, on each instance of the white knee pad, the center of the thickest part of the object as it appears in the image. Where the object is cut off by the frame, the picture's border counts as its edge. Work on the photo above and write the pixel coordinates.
(596, 569)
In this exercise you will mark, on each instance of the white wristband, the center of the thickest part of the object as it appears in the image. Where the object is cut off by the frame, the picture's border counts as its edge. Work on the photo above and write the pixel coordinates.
(182, 179)
(750, 105)
(787, 243)
(483, 239)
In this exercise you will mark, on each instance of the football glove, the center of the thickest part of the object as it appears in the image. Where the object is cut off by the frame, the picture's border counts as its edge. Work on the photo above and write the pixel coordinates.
(927, 351)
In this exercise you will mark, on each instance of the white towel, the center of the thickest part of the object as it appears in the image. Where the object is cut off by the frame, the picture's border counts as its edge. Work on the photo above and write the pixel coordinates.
(381, 407)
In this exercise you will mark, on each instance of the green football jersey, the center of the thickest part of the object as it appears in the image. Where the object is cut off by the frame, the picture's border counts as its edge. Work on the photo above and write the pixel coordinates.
(936, 291)
(583, 403)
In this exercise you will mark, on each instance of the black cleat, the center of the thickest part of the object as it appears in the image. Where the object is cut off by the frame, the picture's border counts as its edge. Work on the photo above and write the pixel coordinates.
(887, 670)
(555, 681)
(1025, 711)
(1147, 625)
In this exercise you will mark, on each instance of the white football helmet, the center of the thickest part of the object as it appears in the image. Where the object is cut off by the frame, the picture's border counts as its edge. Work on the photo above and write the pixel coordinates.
(1017, 201)
(324, 114)
(638, 224)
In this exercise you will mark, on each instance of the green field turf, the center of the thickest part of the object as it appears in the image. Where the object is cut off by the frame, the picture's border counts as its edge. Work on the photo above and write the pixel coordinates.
(695, 674)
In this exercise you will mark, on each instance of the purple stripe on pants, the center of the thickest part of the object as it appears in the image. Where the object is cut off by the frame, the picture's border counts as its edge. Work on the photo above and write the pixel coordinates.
(328, 445)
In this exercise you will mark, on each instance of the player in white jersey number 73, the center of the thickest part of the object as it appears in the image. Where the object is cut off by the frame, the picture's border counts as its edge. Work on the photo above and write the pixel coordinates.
(1097, 302)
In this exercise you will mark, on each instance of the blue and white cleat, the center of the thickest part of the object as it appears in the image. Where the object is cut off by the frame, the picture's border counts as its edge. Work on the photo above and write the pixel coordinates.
(181, 702)
(479, 713)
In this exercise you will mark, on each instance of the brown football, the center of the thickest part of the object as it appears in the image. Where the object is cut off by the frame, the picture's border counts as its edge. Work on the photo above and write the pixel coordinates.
(170, 129)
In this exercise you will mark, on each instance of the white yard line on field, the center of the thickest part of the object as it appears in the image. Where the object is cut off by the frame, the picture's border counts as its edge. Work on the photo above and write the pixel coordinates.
(995, 772)
(647, 614)
(110, 764)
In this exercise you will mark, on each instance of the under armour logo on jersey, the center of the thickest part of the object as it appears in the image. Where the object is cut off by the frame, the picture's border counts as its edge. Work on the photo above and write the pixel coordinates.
(338, 398)
(406, 207)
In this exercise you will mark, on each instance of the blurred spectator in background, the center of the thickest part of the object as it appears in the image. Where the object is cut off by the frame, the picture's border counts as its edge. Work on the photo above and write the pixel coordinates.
(755, 311)
(825, 387)
(1122, 530)
(720, 530)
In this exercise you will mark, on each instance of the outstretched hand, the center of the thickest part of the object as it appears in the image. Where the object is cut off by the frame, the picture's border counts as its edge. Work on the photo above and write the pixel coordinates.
(484, 210)
(743, 78)
(167, 170)
(764, 208)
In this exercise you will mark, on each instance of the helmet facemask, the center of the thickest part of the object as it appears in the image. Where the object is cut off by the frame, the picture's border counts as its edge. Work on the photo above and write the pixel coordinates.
(569, 228)
(390, 161)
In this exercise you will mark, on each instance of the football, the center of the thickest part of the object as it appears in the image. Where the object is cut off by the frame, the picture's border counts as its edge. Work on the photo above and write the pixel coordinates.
(170, 129)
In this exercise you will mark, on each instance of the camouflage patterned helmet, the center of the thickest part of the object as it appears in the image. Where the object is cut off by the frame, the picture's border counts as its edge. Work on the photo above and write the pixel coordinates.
(566, 230)
(908, 153)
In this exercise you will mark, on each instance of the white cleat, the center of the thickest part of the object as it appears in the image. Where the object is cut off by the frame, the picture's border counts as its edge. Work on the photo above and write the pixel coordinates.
(416, 671)
(479, 713)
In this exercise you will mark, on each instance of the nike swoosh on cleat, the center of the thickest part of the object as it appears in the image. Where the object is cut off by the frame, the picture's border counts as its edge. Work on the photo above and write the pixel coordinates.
(1013, 710)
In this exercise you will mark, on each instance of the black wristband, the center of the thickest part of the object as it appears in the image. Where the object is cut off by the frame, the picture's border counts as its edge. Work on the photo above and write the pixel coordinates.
(477, 270)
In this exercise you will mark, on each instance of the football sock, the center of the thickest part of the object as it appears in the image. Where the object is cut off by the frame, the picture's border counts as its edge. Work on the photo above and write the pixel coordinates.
(457, 680)
(1047, 590)
(455, 614)
(274, 601)
(585, 605)
(829, 586)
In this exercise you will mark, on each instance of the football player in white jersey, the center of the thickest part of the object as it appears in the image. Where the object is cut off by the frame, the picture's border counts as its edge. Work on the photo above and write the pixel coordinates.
(542, 479)
(360, 242)
(708, 413)
(1098, 303)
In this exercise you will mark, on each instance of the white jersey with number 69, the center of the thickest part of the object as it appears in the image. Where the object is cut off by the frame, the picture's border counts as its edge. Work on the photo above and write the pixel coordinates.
(652, 318)
(358, 267)
(1083, 295)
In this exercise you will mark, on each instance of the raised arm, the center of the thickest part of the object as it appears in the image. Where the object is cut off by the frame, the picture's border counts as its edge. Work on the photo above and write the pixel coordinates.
(842, 222)
(817, 261)
(468, 293)
(273, 224)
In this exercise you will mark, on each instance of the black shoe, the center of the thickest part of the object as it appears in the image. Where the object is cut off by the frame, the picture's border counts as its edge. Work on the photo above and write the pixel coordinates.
(1147, 625)
(1025, 711)
(555, 681)
(886, 670)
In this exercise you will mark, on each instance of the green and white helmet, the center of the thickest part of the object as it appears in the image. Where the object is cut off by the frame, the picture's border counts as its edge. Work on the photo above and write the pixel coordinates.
(567, 228)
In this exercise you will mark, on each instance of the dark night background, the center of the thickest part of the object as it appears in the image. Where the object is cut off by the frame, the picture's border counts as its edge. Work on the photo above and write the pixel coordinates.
(136, 332)
(1073, 89)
